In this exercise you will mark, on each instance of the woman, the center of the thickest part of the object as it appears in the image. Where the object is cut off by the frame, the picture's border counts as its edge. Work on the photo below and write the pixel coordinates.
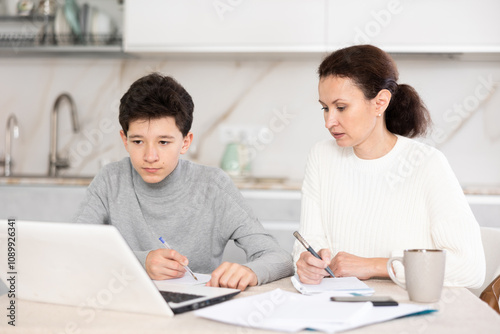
(373, 192)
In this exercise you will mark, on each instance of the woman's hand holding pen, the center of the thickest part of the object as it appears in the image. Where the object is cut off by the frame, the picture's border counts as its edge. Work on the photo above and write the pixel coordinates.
(165, 264)
(310, 269)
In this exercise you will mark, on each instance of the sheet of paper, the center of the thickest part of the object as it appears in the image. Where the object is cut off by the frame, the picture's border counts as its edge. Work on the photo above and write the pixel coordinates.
(286, 311)
(340, 285)
(283, 310)
(187, 279)
(377, 315)
(313, 311)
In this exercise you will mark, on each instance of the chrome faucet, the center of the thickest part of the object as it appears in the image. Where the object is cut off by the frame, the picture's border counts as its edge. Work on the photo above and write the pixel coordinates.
(55, 162)
(12, 130)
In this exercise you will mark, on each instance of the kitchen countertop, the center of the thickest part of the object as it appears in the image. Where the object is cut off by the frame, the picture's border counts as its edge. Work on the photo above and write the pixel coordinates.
(268, 184)
(45, 180)
(482, 190)
(247, 184)
(250, 183)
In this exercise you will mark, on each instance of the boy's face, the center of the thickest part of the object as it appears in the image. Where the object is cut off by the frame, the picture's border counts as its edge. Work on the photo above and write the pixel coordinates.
(154, 147)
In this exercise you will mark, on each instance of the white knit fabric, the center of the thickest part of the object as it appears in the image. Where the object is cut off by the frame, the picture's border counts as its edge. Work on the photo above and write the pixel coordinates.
(409, 198)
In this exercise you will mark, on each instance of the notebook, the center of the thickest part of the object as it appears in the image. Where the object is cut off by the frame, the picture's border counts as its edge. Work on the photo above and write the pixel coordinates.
(335, 286)
(91, 266)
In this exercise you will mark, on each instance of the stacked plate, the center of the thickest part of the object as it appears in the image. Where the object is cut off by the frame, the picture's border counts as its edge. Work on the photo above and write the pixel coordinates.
(101, 27)
(87, 25)
(62, 29)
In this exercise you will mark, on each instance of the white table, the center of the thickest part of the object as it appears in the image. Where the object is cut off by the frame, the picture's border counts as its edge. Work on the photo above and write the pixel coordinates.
(459, 312)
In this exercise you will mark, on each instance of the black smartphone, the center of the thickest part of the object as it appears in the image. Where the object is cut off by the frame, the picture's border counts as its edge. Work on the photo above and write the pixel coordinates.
(376, 300)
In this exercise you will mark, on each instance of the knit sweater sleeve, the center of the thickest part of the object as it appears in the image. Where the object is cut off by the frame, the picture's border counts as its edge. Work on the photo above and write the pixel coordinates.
(453, 226)
(311, 224)
(95, 207)
(236, 221)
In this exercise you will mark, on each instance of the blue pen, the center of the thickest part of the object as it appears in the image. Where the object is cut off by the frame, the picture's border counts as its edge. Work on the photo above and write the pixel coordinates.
(311, 250)
(185, 267)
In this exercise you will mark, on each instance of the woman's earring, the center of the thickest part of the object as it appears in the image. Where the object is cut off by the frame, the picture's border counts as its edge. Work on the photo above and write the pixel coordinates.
(379, 115)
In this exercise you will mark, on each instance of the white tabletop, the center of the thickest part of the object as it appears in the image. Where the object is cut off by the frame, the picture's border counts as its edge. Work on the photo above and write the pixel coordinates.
(459, 312)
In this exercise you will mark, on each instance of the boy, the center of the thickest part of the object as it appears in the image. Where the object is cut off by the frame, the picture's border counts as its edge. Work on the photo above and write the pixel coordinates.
(195, 208)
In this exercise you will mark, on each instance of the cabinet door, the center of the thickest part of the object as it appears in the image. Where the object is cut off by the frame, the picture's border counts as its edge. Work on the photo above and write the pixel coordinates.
(416, 25)
(224, 25)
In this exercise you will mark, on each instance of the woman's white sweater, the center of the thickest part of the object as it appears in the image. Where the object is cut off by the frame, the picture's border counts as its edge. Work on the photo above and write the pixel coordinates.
(409, 198)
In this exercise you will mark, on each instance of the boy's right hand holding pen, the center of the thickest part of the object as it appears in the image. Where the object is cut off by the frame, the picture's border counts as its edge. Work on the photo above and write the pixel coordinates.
(165, 263)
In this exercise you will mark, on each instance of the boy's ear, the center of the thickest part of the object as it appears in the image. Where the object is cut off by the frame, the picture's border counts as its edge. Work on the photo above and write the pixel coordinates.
(186, 142)
(124, 139)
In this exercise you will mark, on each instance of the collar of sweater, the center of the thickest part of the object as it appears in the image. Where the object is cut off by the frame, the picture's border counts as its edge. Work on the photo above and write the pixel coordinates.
(169, 186)
(381, 164)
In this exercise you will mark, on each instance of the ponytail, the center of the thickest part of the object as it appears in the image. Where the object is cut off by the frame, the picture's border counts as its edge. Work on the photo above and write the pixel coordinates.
(407, 114)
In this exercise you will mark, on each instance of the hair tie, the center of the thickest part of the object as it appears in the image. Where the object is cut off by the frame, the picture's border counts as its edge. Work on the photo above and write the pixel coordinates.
(391, 85)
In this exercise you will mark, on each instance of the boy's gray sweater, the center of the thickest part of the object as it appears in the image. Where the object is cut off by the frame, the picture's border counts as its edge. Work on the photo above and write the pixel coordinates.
(196, 209)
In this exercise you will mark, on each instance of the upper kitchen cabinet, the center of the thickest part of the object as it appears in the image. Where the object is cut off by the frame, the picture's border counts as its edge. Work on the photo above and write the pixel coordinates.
(423, 26)
(225, 26)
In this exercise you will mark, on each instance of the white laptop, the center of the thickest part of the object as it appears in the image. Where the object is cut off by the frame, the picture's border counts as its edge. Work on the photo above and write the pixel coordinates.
(91, 266)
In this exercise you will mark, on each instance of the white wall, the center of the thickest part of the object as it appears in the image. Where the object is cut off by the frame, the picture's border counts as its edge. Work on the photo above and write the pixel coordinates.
(257, 91)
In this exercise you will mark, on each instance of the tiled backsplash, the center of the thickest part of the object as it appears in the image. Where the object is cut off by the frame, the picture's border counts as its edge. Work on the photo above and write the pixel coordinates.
(463, 97)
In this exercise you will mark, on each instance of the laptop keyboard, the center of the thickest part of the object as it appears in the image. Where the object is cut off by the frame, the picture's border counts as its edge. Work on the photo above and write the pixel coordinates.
(178, 297)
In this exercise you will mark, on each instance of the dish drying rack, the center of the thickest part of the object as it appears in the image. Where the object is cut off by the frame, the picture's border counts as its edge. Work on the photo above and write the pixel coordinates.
(39, 32)
(35, 39)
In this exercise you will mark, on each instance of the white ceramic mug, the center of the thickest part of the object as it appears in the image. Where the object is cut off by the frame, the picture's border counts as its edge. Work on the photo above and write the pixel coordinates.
(424, 273)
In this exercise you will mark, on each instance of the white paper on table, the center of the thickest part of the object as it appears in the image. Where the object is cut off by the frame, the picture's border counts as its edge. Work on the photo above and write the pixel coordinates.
(309, 310)
(377, 315)
(187, 279)
(286, 311)
(340, 285)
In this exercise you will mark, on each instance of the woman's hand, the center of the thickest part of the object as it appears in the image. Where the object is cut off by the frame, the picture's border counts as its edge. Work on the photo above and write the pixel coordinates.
(310, 269)
(348, 265)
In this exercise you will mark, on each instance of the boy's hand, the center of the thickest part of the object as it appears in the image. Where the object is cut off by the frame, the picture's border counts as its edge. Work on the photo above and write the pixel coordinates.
(165, 263)
(233, 275)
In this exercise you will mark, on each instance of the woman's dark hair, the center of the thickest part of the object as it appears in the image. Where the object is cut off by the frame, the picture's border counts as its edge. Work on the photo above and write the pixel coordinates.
(155, 96)
(372, 70)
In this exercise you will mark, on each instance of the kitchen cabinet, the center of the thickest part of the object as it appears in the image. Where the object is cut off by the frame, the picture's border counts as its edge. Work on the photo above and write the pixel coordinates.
(224, 26)
(424, 26)
(311, 26)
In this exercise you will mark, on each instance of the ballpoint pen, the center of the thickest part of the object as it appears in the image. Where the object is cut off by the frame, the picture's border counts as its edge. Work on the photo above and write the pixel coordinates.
(185, 267)
(311, 250)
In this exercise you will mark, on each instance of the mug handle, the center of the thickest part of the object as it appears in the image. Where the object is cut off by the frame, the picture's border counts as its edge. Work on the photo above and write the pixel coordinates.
(391, 272)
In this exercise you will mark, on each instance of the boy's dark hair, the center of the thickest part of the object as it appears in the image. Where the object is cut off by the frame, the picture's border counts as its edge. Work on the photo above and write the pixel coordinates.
(155, 96)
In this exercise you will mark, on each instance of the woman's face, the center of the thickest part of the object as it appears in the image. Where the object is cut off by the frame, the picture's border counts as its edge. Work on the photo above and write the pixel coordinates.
(350, 118)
